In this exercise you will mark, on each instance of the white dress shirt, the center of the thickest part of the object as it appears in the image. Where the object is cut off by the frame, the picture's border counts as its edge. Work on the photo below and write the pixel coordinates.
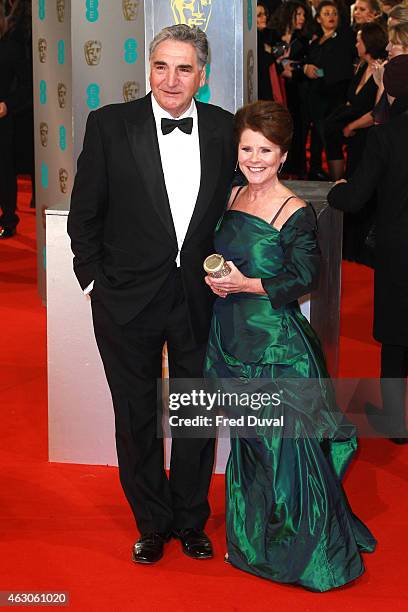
(180, 158)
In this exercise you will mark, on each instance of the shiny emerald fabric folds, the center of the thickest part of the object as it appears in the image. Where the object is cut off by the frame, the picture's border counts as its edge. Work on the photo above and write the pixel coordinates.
(287, 516)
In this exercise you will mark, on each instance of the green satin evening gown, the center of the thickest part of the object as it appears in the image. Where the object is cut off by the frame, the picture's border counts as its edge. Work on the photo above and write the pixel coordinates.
(287, 516)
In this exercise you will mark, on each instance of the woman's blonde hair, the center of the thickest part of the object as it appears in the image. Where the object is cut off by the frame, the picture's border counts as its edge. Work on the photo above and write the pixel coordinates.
(400, 13)
(398, 34)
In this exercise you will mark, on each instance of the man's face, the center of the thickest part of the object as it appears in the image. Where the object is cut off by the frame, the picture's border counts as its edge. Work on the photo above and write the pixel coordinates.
(62, 92)
(93, 52)
(44, 134)
(192, 12)
(63, 179)
(60, 10)
(130, 8)
(175, 75)
(130, 91)
(42, 50)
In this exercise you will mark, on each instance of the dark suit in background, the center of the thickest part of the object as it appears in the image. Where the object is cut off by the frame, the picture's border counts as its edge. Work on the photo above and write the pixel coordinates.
(384, 170)
(15, 92)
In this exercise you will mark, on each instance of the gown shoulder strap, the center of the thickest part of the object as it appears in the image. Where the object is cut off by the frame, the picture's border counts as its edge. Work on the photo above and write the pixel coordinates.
(281, 208)
(235, 196)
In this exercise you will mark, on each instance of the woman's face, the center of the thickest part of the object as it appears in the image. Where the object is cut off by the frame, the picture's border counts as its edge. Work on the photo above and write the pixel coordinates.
(259, 158)
(360, 46)
(299, 19)
(386, 8)
(362, 12)
(261, 17)
(329, 18)
(395, 49)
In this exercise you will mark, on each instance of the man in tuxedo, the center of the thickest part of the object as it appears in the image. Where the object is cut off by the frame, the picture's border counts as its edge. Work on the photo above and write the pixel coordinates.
(152, 182)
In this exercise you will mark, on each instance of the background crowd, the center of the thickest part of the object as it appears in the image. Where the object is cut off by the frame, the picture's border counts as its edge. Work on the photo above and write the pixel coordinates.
(325, 61)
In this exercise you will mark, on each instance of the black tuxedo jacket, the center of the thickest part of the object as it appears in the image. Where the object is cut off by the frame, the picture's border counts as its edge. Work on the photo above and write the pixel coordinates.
(120, 223)
(384, 170)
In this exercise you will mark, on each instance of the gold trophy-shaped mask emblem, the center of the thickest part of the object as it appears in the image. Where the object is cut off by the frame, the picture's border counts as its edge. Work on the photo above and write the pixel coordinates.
(44, 133)
(61, 10)
(42, 50)
(62, 95)
(250, 75)
(63, 180)
(192, 12)
(130, 9)
(93, 50)
(130, 91)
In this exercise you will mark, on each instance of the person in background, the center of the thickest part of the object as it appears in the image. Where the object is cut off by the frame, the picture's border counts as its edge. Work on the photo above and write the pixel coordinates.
(14, 95)
(347, 125)
(342, 126)
(384, 171)
(365, 11)
(19, 26)
(329, 69)
(265, 56)
(291, 33)
(387, 106)
(388, 5)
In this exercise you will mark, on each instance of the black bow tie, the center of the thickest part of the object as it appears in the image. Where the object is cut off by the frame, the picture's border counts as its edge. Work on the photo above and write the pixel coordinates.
(185, 125)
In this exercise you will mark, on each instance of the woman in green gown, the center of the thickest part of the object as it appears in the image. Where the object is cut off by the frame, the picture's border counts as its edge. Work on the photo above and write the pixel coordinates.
(287, 516)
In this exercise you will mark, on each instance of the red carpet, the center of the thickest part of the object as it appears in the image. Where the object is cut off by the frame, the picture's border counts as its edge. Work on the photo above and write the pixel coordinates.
(68, 528)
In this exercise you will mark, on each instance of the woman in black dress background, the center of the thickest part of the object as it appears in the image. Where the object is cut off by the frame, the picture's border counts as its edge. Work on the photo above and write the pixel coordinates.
(329, 70)
(342, 126)
(291, 30)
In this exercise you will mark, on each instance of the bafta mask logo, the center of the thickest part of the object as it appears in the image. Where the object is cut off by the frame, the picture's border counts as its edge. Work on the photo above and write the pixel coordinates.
(130, 9)
(61, 10)
(63, 180)
(62, 95)
(130, 91)
(93, 50)
(250, 75)
(44, 133)
(192, 12)
(42, 50)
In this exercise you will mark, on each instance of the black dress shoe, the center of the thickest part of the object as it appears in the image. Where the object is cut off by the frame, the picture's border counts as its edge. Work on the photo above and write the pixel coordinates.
(6, 232)
(195, 543)
(149, 548)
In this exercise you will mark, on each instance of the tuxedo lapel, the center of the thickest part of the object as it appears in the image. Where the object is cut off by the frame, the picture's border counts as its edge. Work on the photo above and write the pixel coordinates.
(141, 131)
(210, 156)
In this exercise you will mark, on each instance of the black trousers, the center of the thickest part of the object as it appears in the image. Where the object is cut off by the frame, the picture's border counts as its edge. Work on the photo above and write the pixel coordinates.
(132, 358)
(394, 372)
(8, 178)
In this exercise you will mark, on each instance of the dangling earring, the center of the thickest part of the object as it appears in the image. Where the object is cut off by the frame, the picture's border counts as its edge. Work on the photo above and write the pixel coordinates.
(236, 166)
(280, 167)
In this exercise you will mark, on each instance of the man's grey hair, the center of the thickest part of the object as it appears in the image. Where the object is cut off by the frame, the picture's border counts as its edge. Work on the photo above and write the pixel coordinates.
(183, 33)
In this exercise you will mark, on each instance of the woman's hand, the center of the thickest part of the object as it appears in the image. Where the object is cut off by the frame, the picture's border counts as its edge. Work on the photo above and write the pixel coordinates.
(3, 109)
(348, 131)
(235, 282)
(310, 71)
(377, 68)
(287, 71)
